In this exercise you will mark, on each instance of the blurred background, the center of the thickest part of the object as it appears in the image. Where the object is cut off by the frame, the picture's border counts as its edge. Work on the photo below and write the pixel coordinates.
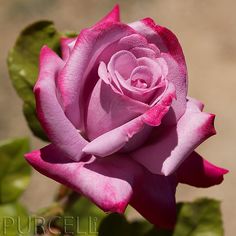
(207, 32)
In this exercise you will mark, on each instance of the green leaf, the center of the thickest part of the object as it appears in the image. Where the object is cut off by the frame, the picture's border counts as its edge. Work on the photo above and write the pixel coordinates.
(81, 217)
(116, 225)
(140, 228)
(159, 232)
(23, 66)
(14, 220)
(199, 218)
(14, 170)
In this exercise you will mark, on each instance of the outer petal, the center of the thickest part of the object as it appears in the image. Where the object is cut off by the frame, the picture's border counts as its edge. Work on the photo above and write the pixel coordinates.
(50, 113)
(107, 182)
(198, 172)
(115, 139)
(67, 45)
(108, 110)
(111, 183)
(198, 103)
(172, 52)
(88, 47)
(173, 144)
(154, 115)
(112, 16)
(154, 198)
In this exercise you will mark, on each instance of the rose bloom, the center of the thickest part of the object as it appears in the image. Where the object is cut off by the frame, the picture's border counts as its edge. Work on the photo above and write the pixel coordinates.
(121, 126)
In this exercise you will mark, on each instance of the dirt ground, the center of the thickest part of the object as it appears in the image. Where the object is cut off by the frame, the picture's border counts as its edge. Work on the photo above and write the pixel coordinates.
(206, 30)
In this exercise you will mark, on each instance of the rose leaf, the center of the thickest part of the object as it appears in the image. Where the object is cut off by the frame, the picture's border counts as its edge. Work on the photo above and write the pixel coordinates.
(14, 220)
(23, 66)
(199, 218)
(14, 170)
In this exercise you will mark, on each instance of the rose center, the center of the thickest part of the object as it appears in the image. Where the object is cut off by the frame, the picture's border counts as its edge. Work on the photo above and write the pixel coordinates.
(139, 83)
(139, 78)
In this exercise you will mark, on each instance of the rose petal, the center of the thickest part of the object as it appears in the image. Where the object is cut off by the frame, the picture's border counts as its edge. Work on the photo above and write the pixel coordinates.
(115, 139)
(124, 62)
(127, 43)
(143, 52)
(198, 172)
(154, 198)
(198, 103)
(112, 141)
(106, 77)
(67, 45)
(108, 110)
(178, 78)
(138, 94)
(107, 182)
(50, 113)
(154, 115)
(153, 66)
(112, 16)
(89, 45)
(132, 41)
(171, 147)
(172, 52)
(111, 183)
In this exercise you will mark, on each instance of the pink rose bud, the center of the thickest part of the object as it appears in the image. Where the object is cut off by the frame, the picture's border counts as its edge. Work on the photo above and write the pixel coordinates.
(122, 128)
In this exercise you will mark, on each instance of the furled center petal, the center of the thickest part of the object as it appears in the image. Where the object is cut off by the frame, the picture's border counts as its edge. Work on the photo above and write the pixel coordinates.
(124, 62)
(135, 76)
(141, 77)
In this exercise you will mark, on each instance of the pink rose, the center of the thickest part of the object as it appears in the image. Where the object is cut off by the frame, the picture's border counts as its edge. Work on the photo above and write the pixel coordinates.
(122, 128)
